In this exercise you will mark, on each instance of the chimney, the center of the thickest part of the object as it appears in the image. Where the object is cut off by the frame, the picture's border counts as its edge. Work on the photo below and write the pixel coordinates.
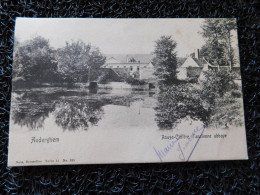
(197, 53)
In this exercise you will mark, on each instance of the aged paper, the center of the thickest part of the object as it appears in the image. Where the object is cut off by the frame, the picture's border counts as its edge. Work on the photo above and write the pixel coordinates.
(92, 91)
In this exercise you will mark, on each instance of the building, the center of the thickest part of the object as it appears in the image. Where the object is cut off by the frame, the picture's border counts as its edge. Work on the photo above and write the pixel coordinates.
(192, 67)
(138, 66)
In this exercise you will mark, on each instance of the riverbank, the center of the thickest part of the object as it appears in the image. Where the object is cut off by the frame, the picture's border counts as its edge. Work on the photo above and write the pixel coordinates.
(47, 87)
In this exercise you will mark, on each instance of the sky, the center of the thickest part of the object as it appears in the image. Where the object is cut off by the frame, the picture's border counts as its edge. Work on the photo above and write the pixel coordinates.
(114, 36)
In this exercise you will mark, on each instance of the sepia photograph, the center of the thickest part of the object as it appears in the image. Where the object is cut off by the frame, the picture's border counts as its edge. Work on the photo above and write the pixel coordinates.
(99, 91)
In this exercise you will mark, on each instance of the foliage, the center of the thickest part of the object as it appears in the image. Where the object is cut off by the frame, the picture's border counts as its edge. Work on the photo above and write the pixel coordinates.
(227, 111)
(221, 98)
(34, 61)
(214, 53)
(133, 81)
(218, 90)
(218, 50)
(79, 62)
(178, 102)
(215, 101)
(165, 60)
(216, 84)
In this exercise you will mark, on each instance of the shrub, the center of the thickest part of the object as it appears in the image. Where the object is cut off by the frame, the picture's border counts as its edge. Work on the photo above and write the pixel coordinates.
(216, 84)
(220, 93)
(178, 102)
(133, 81)
(227, 112)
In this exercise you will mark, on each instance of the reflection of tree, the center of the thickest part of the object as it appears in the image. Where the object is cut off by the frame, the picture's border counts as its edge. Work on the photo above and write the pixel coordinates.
(72, 110)
(121, 100)
(31, 109)
(177, 103)
(78, 114)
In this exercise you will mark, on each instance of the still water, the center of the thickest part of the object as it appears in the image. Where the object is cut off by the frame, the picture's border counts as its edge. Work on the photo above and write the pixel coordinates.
(74, 110)
(77, 109)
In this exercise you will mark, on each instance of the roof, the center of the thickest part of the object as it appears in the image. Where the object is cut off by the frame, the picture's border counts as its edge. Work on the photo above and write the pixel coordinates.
(200, 62)
(112, 60)
(127, 64)
(142, 58)
(194, 62)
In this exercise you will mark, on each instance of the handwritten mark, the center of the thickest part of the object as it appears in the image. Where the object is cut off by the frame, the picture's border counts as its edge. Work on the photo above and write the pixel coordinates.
(163, 153)
(203, 128)
(181, 156)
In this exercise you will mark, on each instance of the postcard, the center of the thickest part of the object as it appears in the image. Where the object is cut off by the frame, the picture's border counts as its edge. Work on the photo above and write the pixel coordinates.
(101, 91)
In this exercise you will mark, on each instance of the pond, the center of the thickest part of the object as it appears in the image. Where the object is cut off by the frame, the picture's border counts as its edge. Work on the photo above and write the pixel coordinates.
(75, 109)
(80, 110)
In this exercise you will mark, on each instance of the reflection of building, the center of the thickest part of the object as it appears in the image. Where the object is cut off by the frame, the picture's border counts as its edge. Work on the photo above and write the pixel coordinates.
(138, 66)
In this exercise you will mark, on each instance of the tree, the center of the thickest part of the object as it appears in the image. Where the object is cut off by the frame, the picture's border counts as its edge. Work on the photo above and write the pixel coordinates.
(218, 93)
(216, 85)
(214, 53)
(165, 60)
(218, 49)
(34, 61)
(228, 26)
(77, 62)
(177, 103)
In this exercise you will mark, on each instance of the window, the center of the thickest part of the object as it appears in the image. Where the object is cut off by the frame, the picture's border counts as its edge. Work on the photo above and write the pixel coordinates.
(138, 68)
(117, 66)
(131, 67)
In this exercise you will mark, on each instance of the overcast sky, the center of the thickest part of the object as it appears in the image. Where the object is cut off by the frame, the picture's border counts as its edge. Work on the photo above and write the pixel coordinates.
(114, 36)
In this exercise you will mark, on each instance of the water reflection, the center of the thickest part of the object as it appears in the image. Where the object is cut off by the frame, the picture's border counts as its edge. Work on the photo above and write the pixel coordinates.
(31, 109)
(78, 113)
(74, 110)
(71, 110)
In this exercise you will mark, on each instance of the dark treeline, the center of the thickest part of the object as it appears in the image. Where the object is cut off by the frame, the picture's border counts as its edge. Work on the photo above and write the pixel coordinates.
(36, 62)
